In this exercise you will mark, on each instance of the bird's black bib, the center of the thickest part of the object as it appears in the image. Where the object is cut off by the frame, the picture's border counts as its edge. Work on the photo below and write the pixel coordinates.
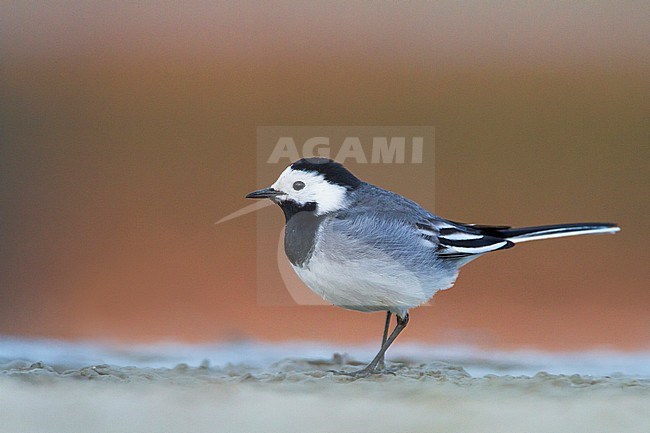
(300, 233)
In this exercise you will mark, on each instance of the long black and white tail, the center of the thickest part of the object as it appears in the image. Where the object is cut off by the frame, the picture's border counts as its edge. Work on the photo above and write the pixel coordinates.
(464, 241)
(525, 234)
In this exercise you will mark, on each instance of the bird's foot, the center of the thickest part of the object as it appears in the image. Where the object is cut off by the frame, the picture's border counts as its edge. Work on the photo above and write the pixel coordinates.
(365, 372)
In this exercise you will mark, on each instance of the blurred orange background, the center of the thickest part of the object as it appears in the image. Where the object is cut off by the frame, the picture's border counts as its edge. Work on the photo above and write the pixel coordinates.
(128, 129)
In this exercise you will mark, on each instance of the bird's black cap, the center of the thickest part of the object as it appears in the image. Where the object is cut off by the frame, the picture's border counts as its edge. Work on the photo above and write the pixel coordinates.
(333, 171)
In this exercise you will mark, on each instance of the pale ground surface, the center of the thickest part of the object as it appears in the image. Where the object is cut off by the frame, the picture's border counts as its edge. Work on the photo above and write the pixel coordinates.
(299, 395)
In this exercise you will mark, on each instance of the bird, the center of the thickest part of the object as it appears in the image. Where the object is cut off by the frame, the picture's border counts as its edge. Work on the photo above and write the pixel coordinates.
(364, 248)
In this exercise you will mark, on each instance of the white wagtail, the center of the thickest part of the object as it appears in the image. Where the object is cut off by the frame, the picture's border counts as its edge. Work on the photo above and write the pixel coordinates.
(364, 248)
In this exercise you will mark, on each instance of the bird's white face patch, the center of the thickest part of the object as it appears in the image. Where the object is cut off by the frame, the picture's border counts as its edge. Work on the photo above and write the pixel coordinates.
(327, 196)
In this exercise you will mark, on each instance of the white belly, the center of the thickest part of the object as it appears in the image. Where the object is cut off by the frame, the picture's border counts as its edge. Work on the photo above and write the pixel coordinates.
(376, 283)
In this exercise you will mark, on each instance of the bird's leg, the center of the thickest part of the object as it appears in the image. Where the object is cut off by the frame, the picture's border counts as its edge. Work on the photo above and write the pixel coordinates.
(380, 364)
(371, 368)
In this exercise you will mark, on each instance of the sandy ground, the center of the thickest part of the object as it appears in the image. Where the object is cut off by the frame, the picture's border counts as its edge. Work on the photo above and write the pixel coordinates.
(297, 395)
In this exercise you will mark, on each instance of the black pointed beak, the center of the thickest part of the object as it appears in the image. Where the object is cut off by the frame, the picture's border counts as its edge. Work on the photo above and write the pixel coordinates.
(265, 193)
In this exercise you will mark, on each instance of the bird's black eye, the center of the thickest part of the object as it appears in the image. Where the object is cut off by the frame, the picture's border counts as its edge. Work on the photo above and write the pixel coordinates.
(298, 185)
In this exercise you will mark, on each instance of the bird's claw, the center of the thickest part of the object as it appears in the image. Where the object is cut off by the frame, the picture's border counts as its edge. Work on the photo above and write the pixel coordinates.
(363, 373)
